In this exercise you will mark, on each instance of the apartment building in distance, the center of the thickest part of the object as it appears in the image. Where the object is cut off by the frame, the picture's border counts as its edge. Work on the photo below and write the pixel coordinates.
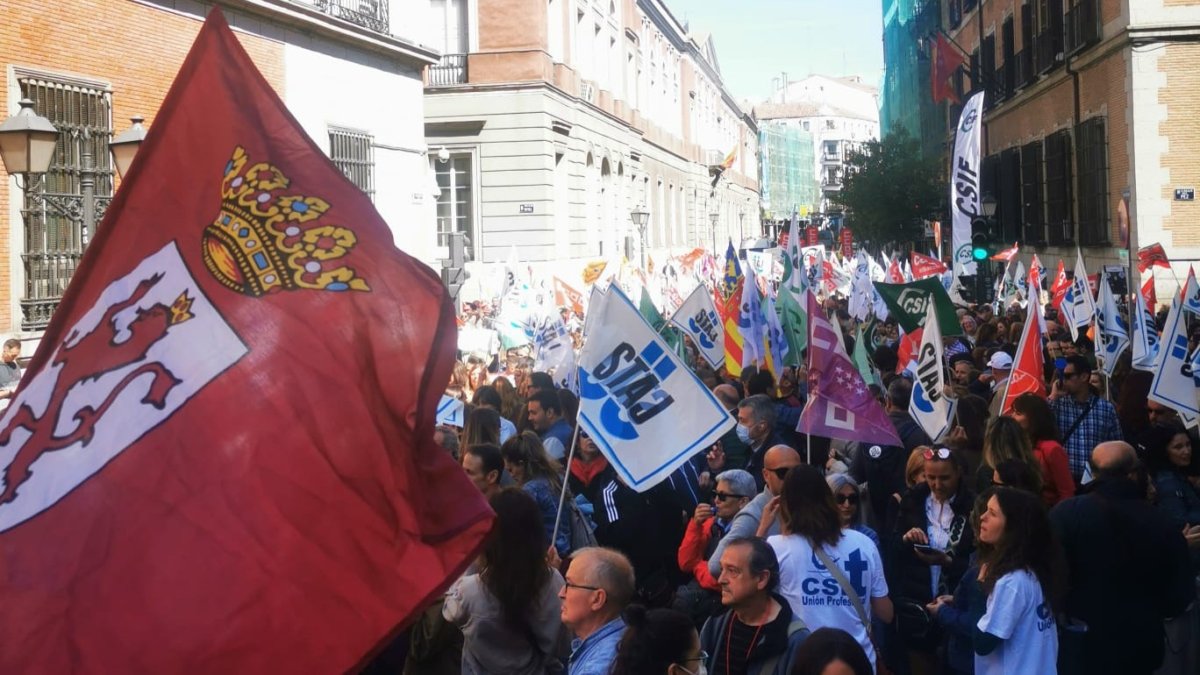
(550, 121)
(1089, 132)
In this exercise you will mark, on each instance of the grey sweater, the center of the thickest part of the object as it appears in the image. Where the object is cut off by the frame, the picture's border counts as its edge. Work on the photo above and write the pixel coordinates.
(744, 524)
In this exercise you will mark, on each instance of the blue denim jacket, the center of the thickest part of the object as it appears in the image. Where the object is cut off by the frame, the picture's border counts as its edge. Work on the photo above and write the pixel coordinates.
(595, 655)
(547, 501)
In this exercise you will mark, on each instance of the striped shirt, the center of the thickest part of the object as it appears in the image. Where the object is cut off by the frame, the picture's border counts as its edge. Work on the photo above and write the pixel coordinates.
(1099, 425)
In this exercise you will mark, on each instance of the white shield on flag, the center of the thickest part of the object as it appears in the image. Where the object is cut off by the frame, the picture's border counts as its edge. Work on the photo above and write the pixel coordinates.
(450, 411)
(638, 402)
(929, 405)
(698, 319)
(121, 372)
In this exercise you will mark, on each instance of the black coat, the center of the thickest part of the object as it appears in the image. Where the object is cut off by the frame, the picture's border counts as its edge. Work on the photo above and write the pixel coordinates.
(911, 577)
(1129, 570)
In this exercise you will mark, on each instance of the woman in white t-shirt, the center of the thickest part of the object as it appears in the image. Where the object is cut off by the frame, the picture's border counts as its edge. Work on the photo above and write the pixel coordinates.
(1021, 576)
(810, 519)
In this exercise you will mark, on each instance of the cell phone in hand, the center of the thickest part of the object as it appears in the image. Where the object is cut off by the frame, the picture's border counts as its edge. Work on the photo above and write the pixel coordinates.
(925, 548)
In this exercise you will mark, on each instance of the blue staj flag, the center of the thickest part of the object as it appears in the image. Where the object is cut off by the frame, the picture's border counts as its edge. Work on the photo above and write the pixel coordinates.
(638, 402)
(697, 317)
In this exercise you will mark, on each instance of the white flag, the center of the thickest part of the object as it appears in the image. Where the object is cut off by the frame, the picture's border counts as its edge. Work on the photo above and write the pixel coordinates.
(929, 405)
(1173, 385)
(964, 183)
(1021, 283)
(554, 352)
(698, 319)
(638, 402)
(1083, 307)
(1191, 292)
(1114, 331)
(1145, 336)
(450, 412)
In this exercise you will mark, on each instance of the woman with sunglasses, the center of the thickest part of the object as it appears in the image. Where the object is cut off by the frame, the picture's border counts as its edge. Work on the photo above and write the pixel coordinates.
(1021, 575)
(934, 549)
(812, 540)
(658, 642)
(847, 495)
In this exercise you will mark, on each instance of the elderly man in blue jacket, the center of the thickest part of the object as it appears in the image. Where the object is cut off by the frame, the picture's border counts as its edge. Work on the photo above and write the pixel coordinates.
(599, 584)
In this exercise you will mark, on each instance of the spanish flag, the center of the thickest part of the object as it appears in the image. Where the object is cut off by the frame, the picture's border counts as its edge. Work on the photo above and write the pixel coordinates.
(731, 311)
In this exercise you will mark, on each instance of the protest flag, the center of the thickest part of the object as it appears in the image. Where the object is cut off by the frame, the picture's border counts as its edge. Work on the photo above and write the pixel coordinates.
(733, 272)
(1114, 330)
(925, 266)
(1145, 335)
(730, 315)
(929, 406)
(1173, 384)
(750, 322)
(1028, 372)
(698, 318)
(1152, 256)
(795, 324)
(839, 403)
(1149, 294)
(908, 303)
(567, 296)
(793, 261)
(1058, 288)
(638, 402)
(1191, 293)
(1008, 254)
(252, 369)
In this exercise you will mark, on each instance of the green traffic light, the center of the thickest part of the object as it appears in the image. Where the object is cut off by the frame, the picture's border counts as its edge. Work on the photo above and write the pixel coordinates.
(979, 253)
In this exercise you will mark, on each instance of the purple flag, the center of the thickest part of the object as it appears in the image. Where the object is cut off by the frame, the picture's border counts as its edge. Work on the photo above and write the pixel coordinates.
(839, 403)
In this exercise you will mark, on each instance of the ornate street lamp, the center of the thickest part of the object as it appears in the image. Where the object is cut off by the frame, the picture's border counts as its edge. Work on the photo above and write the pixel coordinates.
(125, 146)
(640, 216)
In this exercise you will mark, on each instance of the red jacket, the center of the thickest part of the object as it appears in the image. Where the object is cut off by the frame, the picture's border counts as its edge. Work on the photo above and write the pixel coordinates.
(1057, 483)
(691, 552)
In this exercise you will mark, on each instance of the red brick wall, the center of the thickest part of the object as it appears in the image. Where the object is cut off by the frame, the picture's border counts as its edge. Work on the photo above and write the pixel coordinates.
(136, 49)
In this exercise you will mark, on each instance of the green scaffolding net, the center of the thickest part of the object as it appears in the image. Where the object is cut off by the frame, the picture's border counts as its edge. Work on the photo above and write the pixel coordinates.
(907, 102)
(789, 173)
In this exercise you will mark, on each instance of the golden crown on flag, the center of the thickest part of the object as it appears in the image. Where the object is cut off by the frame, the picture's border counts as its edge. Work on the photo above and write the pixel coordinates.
(265, 240)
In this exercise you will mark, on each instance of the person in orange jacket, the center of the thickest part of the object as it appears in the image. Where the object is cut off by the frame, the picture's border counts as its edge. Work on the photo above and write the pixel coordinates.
(700, 597)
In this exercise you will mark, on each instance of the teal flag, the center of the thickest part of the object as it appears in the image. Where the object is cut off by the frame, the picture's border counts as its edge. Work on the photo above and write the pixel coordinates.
(909, 303)
(794, 320)
(862, 360)
(670, 334)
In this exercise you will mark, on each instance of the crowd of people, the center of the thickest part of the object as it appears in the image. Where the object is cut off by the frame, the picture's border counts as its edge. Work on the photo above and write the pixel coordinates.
(1063, 536)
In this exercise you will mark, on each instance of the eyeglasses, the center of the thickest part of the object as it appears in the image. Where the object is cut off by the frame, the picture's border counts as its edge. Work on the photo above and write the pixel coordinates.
(1067, 376)
(568, 584)
(846, 499)
(940, 453)
(702, 656)
(722, 496)
(782, 472)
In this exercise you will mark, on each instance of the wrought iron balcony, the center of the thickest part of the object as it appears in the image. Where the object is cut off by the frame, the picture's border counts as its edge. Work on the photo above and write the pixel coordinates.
(370, 14)
(452, 69)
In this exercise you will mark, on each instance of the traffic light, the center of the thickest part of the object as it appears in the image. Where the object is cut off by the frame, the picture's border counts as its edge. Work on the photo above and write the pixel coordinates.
(454, 273)
(981, 240)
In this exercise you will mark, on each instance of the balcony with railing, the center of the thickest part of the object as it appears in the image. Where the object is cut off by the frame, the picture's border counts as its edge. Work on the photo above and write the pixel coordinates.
(450, 70)
(369, 14)
(1082, 26)
(834, 157)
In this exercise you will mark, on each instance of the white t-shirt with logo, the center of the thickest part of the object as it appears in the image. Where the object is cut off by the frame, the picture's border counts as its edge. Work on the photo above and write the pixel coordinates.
(816, 596)
(1018, 613)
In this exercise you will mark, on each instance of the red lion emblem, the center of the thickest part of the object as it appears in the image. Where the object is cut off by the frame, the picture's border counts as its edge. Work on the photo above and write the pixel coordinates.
(92, 356)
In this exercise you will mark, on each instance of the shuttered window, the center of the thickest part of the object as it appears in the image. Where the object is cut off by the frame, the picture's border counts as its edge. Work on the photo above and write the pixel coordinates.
(354, 153)
(1060, 226)
(1093, 182)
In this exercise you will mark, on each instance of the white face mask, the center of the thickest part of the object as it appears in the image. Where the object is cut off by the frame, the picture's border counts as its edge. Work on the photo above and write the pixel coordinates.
(702, 670)
(743, 433)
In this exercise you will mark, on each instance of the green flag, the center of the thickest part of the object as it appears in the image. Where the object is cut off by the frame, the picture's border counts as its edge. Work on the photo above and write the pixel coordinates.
(908, 304)
(795, 324)
(862, 361)
(671, 335)
(649, 312)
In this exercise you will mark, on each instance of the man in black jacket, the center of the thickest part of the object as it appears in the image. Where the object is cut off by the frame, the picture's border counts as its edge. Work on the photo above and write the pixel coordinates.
(882, 466)
(1129, 568)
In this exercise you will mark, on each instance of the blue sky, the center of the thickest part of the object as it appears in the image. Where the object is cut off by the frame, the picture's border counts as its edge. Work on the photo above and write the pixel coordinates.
(758, 39)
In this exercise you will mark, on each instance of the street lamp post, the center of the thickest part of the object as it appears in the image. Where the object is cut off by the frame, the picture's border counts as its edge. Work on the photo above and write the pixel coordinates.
(713, 218)
(640, 216)
(27, 143)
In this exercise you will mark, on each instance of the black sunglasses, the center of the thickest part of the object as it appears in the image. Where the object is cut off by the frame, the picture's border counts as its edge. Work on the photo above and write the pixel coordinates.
(842, 499)
(722, 496)
(781, 473)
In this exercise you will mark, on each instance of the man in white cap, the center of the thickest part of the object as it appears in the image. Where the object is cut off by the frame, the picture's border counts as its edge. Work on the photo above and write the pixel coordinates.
(1000, 365)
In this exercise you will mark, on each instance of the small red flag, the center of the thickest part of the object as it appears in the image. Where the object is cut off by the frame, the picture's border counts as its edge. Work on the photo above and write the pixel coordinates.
(1028, 373)
(1060, 285)
(924, 266)
(1008, 254)
(1152, 256)
(567, 296)
(943, 63)
(895, 275)
(1149, 293)
(221, 459)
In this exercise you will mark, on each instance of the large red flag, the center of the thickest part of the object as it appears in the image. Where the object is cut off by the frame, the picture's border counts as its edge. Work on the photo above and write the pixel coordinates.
(943, 62)
(925, 266)
(220, 460)
(1028, 373)
(1152, 256)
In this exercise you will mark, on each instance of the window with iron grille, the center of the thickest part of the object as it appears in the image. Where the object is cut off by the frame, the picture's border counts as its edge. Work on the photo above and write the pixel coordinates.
(1060, 226)
(54, 243)
(455, 203)
(354, 153)
(1093, 182)
(1031, 194)
(1008, 199)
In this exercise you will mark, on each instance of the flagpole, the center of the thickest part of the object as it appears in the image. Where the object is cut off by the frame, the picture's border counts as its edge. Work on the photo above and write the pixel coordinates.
(562, 497)
(808, 447)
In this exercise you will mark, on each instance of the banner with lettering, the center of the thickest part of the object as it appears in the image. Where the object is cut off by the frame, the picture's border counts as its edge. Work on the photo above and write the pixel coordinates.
(1114, 330)
(964, 183)
(638, 402)
(1173, 384)
(697, 317)
(929, 405)
(1145, 336)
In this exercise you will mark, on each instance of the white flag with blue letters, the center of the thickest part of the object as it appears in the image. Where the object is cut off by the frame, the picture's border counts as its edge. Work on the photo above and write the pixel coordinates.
(1173, 384)
(1145, 336)
(698, 319)
(1113, 329)
(638, 402)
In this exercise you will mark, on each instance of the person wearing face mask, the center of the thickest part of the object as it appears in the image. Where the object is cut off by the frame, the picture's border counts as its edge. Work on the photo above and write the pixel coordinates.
(756, 417)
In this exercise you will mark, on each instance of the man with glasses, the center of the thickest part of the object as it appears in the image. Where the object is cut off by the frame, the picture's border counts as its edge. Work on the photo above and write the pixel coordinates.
(698, 598)
(598, 585)
(1084, 419)
(758, 634)
(776, 463)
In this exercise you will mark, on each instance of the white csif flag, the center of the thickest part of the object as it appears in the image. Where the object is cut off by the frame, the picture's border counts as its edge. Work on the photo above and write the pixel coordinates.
(929, 405)
(1114, 331)
(964, 183)
(638, 402)
(698, 319)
